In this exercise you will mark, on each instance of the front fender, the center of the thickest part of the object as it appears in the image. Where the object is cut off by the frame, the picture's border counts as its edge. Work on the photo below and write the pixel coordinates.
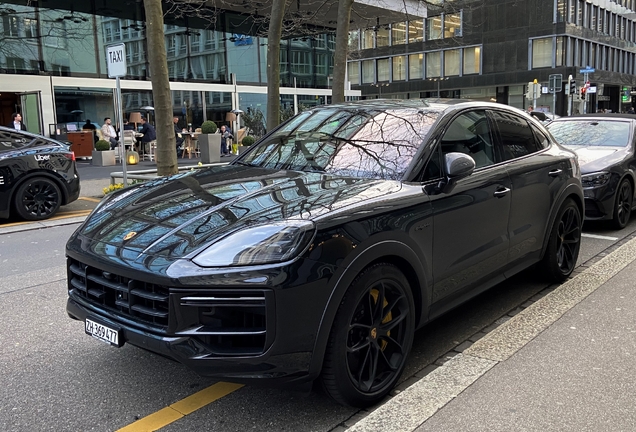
(378, 250)
(572, 190)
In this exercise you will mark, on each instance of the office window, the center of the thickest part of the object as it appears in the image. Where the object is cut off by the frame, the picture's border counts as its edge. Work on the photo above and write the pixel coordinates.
(321, 64)
(382, 37)
(399, 68)
(354, 72)
(593, 24)
(472, 60)
(433, 64)
(415, 66)
(452, 25)
(542, 53)
(451, 62)
(10, 26)
(30, 28)
(368, 71)
(561, 10)
(560, 51)
(367, 38)
(398, 33)
(600, 20)
(571, 11)
(416, 31)
(579, 12)
(434, 28)
(383, 69)
(354, 40)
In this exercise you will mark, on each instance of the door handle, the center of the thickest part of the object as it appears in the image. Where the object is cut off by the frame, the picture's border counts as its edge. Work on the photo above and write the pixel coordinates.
(555, 173)
(503, 191)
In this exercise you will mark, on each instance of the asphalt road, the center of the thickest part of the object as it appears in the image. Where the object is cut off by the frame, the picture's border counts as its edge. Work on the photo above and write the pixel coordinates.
(54, 377)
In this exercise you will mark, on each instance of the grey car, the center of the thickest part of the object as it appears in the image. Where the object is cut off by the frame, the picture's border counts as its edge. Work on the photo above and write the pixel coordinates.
(604, 144)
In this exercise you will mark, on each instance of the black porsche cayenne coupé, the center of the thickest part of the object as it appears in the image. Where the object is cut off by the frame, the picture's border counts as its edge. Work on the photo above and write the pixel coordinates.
(37, 175)
(319, 252)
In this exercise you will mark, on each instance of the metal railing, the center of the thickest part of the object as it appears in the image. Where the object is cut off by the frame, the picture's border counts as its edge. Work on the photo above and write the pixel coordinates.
(147, 174)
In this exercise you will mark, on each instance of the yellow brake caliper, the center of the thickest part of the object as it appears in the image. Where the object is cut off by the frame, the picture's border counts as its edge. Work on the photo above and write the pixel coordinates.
(388, 318)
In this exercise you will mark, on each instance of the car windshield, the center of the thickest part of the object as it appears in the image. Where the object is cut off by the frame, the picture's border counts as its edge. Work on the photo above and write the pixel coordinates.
(607, 133)
(347, 141)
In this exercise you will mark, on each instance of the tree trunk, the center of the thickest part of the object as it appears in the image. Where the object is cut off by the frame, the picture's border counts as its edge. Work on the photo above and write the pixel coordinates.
(340, 55)
(157, 58)
(273, 63)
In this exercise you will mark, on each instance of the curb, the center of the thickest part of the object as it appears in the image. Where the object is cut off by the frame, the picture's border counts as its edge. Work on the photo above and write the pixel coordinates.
(413, 406)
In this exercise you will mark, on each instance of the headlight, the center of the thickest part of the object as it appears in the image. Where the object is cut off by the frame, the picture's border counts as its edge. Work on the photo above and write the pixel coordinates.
(262, 244)
(595, 179)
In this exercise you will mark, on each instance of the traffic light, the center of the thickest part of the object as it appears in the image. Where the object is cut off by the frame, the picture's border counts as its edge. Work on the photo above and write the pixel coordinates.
(583, 91)
(572, 87)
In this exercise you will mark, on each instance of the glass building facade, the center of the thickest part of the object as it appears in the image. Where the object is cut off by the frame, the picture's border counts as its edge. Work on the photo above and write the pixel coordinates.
(63, 44)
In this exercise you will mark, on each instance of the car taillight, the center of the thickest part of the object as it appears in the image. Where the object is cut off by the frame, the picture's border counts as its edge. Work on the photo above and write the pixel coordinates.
(70, 156)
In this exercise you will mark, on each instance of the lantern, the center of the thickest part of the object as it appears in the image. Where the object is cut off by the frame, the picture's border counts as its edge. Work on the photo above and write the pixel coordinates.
(132, 157)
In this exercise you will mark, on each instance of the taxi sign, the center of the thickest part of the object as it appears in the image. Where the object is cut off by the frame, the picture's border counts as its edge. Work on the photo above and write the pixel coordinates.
(116, 60)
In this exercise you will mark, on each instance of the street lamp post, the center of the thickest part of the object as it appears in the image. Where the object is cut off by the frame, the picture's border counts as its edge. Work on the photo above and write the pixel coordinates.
(439, 81)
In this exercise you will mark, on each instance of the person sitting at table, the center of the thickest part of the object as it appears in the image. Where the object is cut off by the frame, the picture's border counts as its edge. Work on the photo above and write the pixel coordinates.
(149, 133)
(178, 136)
(88, 126)
(128, 126)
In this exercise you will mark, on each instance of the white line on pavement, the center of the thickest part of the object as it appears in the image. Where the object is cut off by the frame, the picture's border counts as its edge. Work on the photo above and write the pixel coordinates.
(599, 237)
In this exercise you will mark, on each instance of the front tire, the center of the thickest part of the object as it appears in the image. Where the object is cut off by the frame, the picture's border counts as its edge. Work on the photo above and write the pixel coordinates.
(37, 198)
(623, 205)
(371, 337)
(564, 243)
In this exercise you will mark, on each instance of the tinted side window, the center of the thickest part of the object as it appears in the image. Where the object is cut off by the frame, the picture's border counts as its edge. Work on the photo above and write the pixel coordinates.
(469, 133)
(542, 140)
(516, 137)
(13, 140)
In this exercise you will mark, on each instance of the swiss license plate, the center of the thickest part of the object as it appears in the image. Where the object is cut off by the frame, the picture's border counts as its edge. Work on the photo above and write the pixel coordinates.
(102, 332)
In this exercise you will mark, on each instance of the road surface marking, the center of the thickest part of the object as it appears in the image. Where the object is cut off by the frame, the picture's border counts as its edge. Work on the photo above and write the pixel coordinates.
(182, 408)
(599, 237)
(91, 199)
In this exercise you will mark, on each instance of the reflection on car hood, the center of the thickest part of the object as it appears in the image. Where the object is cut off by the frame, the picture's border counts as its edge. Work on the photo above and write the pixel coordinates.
(595, 158)
(173, 217)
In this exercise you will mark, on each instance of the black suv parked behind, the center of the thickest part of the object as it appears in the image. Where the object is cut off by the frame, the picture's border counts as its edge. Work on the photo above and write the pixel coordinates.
(37, 175)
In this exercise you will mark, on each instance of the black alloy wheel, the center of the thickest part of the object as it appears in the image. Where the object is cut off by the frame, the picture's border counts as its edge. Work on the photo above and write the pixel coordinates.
(564, 243)
(623, 205)
(371, 337)
(37, 198)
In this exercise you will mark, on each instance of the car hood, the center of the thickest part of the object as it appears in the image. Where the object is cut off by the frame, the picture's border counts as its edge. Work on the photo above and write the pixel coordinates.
(177, 216)
(598, 158)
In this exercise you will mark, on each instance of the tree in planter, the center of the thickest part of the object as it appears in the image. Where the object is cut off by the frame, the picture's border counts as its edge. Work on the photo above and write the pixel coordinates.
(103, 155)
(209, 143)
(102, 145)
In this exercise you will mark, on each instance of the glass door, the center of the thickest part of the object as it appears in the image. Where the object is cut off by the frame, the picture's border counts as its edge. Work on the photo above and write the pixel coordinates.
(31, 107)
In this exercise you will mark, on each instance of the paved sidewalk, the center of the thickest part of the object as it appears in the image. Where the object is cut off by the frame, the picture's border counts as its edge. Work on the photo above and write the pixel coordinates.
(566, 363)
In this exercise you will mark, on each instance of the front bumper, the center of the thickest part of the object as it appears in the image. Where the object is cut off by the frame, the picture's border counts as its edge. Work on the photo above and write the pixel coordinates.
(227, 331)
(599, 202)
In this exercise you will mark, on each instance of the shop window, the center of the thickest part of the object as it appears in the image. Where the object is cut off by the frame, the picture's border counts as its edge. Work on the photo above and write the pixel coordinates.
(367, 38)
(354, 40)
(354, 72)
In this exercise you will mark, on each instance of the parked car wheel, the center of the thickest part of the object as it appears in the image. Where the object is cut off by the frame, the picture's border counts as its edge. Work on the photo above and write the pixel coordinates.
(564, 243)
(37, 198)
(371, 337)
(623, 205)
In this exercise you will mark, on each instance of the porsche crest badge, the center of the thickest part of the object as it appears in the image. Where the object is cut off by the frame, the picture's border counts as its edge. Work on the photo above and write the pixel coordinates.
(130, 235)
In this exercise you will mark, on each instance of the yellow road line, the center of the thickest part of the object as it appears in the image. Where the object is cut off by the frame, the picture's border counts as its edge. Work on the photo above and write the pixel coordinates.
(182, 408)
(90, 199)
(63, 215)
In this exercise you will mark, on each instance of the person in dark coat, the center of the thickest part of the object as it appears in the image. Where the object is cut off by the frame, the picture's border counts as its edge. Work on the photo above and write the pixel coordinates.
(149, 134)
(88, 126)
(16, 122)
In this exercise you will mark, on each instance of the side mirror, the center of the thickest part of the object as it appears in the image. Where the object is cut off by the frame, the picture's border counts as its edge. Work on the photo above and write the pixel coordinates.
(458, 166)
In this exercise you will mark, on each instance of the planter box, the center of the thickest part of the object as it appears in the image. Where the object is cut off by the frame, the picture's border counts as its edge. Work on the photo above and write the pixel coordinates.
(242, 149)
(103, 158)
(210, 148)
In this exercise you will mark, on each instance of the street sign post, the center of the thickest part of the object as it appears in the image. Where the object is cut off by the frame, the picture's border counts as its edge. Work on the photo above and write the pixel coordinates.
(555, 82)
(116, 65)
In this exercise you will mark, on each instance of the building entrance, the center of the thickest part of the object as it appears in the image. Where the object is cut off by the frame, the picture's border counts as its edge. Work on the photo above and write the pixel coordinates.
(27, 104)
